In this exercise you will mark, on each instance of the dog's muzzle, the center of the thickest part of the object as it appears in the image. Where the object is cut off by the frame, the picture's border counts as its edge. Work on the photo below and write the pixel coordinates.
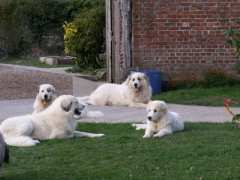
(149, 118)
(77, 112)
(136, 85)
(46, 98)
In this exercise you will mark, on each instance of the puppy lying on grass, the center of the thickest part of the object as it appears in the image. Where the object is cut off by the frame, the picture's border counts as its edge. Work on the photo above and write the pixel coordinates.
(160, 121)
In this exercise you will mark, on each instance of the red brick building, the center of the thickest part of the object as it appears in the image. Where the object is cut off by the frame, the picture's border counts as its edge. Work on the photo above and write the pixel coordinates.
(182, 38)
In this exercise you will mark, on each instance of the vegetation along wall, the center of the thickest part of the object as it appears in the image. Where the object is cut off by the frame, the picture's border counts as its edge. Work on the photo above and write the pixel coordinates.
(184, 38)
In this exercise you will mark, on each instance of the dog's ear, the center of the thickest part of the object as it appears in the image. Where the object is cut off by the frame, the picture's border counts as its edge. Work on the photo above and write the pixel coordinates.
(66, 104)
(39, 87)
(146, 78)
(127, 80)
(163, 106)
(53, 89)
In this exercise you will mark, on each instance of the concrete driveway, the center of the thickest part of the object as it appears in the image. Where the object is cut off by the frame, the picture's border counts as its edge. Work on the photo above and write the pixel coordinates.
(11, 108)
(82, 87)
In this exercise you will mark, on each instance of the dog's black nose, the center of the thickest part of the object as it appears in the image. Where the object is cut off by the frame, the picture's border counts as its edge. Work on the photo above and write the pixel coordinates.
(149, 118)
(45, 96)
(135, 85)
(77, 112)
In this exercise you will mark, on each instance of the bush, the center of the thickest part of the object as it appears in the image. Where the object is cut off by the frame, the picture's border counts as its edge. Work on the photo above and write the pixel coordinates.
(233, 39)
(84, 36)
(25, 23)
(219, 79)
(210, 79)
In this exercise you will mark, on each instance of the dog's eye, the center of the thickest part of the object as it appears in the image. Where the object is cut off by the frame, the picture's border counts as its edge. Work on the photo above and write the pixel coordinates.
(139, 79)
(133, 79)
(42, 91)
(154, 110)
(48, 90)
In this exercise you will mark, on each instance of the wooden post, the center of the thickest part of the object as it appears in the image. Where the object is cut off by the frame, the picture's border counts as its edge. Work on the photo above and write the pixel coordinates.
(118, 38)
(108, 4)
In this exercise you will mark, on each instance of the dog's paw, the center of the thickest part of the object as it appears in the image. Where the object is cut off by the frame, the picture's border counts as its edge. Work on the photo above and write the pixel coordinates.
(146, 136)
(134, 125)
(156, 136)
(36, 141)
(99, 135)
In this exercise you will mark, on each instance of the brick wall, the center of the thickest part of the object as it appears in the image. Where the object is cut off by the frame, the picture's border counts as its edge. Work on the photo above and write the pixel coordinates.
(183, 38)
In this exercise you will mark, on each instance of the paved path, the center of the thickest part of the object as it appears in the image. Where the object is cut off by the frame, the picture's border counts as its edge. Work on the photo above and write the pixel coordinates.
(123, 114)
(82, 87)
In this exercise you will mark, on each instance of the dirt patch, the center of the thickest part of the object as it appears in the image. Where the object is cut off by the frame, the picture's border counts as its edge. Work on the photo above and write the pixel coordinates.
(16, 83)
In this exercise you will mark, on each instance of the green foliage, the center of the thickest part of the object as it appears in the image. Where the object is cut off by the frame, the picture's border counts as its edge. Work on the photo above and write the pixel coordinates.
(212, 78)
(237, 66)
(26, 22)
(233, 39)
(219, 79)
(84, 36)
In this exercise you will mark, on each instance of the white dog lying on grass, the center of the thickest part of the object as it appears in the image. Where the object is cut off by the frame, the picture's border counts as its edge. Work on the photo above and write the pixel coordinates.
(56, 122)
(160, 121)
(134, 92)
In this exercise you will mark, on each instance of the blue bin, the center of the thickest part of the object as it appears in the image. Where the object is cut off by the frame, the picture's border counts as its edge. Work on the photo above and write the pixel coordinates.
(155, 78)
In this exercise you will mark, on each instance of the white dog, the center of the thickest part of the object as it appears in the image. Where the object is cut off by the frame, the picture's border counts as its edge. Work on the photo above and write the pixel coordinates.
(89, 114)
(46, 95)
(160, 121)
(134, 92)
(57, 121)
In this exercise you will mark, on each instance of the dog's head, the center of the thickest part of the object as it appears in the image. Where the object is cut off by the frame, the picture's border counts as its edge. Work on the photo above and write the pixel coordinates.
(46, 92)
(156, 110)
(71, 106)
(137, 80)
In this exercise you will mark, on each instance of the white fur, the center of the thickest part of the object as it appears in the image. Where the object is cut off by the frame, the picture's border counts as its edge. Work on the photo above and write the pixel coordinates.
(160, 121)
(134, 92)
(46, 95)
(57, 121)
(90, 114)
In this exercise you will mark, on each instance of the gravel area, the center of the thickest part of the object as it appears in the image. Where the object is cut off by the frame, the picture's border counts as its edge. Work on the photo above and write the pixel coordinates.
(17, 83)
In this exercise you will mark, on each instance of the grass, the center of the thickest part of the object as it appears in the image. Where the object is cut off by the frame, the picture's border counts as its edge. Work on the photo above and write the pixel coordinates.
(202, 151)
(29, 62)
(202, 96)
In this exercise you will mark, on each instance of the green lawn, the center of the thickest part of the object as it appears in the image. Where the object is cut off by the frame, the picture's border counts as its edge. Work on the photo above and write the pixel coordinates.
(202, 96)
(29, 62)
(202, 151)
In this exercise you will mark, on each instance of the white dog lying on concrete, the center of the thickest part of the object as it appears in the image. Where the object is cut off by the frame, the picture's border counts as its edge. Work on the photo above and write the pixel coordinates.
(134, 92)
(160, 121)
(57, 121)
(46, 95)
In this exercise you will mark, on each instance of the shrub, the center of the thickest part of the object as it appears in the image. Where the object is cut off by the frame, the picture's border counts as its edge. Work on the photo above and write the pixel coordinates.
(28, 23)
(233, 39)
(218, 79)
(84, 36)
(213, 78)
